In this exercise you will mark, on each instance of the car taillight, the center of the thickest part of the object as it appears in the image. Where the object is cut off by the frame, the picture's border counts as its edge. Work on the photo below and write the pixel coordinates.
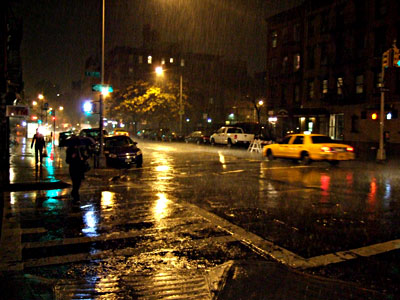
(235, 136)
(326, 149)
(350, 149)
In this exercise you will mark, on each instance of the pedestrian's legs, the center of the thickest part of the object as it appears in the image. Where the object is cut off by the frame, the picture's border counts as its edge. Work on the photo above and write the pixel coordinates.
(41, 154)
(36, 155)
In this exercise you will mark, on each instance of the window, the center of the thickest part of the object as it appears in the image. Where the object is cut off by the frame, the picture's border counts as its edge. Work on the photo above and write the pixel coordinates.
(380, 41)
(324, 22)
(140, 59)
(310, 27)
(285, 64)
(274, 65)
(163, 61)
(274, 39)
(359, 84)
(311, 61)
(324, 55)
(296, 33)
(130, 70)
(355, 124)
(298, 140)
(339, 85)
(296, 62)
(336, 126)
(296, 94)
(286, 140)
(182, 62)
(171, 60)
(324, 87)
(380, 8)
(149, 59)
(311, 89)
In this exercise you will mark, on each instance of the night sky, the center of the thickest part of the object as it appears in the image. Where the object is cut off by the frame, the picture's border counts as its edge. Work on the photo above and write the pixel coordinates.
(60, 35)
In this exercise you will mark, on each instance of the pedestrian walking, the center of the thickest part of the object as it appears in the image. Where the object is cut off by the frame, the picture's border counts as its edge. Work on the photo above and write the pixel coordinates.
(76, 157)
(38, 140)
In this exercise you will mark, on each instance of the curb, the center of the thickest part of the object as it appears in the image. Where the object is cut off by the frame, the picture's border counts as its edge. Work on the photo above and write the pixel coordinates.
(32, 186)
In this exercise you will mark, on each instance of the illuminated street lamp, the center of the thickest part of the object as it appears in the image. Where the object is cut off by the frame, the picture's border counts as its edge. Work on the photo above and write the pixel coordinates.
(159, 71)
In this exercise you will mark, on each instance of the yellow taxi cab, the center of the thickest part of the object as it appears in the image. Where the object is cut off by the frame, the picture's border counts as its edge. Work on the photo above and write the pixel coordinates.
(309, 147)
(121, 132)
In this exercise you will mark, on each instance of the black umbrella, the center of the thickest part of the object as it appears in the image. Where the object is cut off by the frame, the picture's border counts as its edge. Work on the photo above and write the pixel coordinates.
(80, 141)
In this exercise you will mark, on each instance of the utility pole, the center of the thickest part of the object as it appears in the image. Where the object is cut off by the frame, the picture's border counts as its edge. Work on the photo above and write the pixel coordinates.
(390, 59)
(181, 110)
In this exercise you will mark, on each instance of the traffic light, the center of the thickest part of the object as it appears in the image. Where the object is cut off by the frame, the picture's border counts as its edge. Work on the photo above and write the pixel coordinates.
(387, 58)
(88, 107)
(374, 116)
(396, 57)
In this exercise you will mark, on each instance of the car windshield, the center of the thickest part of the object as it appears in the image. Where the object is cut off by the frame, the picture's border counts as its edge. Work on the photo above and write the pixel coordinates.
(118, 142)
(321, 139)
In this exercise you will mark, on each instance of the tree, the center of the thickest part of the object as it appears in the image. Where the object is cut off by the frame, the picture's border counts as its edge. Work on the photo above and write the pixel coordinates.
(144, 101)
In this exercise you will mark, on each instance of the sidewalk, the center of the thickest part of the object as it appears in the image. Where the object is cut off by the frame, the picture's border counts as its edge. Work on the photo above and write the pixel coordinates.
(26, 175)
(233, 280)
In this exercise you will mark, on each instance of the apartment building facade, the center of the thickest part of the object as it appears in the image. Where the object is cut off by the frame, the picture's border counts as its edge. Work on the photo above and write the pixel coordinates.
(324, 69)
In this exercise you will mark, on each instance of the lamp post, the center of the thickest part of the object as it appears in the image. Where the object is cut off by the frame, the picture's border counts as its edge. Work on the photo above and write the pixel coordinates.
(181, 109)
(102, 84)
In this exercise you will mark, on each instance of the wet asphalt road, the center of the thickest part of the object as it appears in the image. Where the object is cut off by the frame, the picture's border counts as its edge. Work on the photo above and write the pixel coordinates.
(193, 208)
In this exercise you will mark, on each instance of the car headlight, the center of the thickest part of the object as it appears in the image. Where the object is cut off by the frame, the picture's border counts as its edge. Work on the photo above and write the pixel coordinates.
(112, 155)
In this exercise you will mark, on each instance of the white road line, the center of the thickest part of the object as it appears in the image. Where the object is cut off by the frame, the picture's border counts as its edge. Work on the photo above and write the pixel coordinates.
(267, 248)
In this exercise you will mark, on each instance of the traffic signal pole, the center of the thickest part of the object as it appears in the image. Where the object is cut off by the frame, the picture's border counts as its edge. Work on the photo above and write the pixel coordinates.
(390, 59)
(381, 155)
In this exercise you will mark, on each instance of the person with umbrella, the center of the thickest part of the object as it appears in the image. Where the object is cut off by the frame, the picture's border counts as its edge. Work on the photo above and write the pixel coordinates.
(76, 157)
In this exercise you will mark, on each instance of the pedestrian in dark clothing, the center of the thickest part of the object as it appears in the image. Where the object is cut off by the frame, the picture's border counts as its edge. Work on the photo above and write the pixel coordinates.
(38, 140)
(76, 158)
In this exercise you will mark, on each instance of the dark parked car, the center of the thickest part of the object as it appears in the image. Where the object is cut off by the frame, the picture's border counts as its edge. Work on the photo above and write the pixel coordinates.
(63, 137)
(94, 133)
(121, 151)
(198, 137)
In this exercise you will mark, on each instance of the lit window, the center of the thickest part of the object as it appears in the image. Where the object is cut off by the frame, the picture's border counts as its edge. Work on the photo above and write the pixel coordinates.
(149, 59)
(311, 89)
(171, 60)
(274, 39)
(182, 62)
(163, 61)
(339, 85)
(359, 84)
(325, 86)
(130, 70)
(296, 61)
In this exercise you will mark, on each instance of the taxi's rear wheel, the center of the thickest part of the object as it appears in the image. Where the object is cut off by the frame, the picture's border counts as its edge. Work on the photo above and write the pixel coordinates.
(270, 155)
(334, 162)
(305, 158)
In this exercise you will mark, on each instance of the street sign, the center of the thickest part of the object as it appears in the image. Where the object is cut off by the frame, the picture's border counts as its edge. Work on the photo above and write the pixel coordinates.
(17, 111)
(92, 74)
(100, 88)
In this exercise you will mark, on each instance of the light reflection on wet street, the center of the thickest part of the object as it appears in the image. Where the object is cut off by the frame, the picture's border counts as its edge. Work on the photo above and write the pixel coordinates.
(137, 226)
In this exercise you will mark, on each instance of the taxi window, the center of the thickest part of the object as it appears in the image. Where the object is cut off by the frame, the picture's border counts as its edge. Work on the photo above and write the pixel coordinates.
(321, 139)
(298, 140)
(286, 140)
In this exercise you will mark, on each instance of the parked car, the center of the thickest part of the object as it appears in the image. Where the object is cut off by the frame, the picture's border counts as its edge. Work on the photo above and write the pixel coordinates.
(229, 136)
(94, 133)
(309, 147)
(121, 151)
(63, 137)
(198, 137)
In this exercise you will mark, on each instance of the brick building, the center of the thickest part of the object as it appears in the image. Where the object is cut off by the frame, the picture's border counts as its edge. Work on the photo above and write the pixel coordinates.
(324, 61)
